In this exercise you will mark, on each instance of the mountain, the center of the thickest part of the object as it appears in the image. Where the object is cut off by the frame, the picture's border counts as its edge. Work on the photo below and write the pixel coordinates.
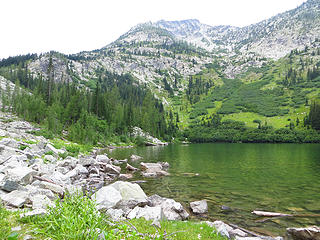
(261, 71)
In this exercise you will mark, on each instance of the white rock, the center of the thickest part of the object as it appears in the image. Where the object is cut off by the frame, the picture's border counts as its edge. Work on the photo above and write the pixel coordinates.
(102, 158)
(9, 142)
(129, 191)
(35, 212)
(40, 201)
(16, 198)
(149, 213)
(199, 207)
(21, 175)
(52, 187)
(106, 197)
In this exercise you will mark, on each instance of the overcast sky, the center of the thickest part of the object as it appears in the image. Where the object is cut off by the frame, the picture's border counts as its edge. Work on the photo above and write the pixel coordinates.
(71, 26)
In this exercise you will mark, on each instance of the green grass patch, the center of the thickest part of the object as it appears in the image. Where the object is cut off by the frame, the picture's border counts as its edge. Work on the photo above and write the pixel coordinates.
(76, 217)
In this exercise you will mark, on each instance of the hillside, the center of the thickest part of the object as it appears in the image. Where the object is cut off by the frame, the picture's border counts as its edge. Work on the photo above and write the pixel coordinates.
(266, 72)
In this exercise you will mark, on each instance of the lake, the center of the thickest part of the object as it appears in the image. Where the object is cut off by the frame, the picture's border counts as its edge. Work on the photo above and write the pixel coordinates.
(244, 177)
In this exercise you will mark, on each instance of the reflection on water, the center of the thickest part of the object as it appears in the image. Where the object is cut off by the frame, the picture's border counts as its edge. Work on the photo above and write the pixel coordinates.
(244, 177)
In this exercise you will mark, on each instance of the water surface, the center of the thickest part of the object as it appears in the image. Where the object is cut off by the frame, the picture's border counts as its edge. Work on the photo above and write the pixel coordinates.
(244, 177)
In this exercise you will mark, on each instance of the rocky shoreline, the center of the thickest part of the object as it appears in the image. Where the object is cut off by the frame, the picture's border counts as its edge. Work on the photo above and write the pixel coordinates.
(33, 173)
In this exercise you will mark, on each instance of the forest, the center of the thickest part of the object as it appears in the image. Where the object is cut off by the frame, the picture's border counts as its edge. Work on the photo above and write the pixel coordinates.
(91, 116)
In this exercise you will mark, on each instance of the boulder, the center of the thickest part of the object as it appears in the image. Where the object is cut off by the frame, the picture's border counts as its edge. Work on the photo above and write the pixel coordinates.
(21, 175)
(106, 197)
(125, 192)
(172, 210)
(129, 191)
(102, 158)
(9, 185)
(308, 233)
(149, 213)
(199, 207)
(16, 198)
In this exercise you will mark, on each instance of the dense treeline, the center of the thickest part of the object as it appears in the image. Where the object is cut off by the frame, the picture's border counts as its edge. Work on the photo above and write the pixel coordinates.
(234, 131)
(17, 60)
(89, 116)
(313, 118)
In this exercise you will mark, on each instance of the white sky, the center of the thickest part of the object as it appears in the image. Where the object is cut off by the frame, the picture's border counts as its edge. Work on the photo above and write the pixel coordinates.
(71, 26)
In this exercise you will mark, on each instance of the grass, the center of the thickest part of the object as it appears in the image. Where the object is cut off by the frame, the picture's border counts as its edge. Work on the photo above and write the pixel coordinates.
(76, 217)
(276, 121)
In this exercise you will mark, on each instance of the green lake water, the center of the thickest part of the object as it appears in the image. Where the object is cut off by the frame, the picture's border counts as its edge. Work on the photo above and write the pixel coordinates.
(244, 177)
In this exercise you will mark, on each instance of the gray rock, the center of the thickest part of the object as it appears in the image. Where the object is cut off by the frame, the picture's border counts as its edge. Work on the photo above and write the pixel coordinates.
(237, 232)
(106, 197)
(9, 142)
(149, 213)
(10, 186)
(21, 175)
(155, 200)
(151, 167)
(81, 169)
(56, 152)
(40, 201)
(32, 191)
(112, 169)
(73, 189)
(52, 187)
(115, 214)
(153, 170)
(87, 161)
(199, 207)
(3, 133)
(131, 168)
(222, 228)
(16, 198)
(69, 163)
(103, 159)
(173, 210)
(308, 233)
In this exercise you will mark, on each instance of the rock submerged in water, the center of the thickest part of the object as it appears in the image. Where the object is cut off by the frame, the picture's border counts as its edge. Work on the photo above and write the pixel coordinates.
(154, 169)
(308, 233)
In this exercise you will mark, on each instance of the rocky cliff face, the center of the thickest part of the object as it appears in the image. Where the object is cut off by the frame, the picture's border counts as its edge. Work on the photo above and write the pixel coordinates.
(175, 50)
